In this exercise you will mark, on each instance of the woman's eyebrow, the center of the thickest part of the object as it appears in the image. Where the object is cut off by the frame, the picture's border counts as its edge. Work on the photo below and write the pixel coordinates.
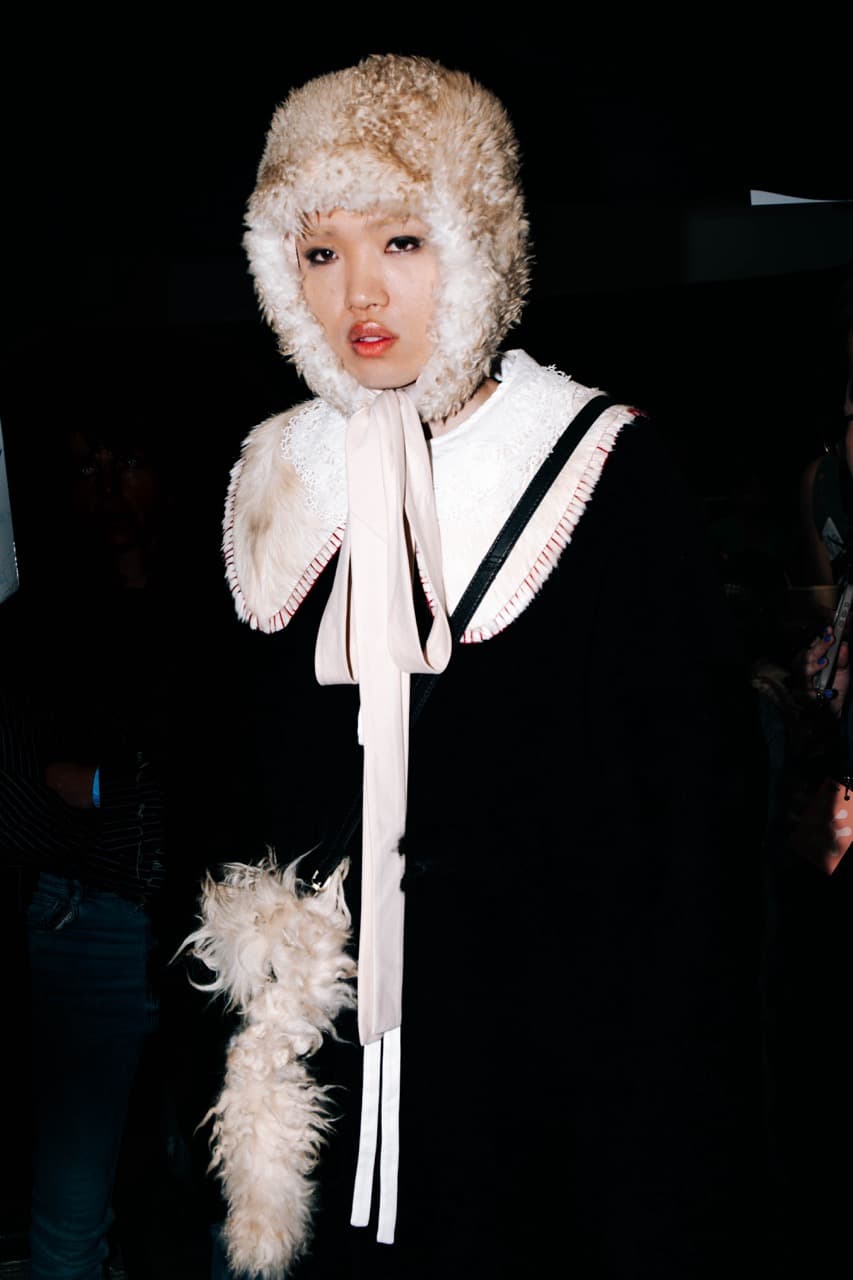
(372, 221)
(393, 219)
(313, 230)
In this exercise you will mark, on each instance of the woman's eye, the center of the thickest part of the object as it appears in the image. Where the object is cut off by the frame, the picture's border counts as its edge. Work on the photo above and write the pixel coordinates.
(404, 244)
(317, 257)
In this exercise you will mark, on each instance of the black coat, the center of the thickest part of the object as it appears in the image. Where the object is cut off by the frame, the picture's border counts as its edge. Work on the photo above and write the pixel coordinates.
(581, 1070)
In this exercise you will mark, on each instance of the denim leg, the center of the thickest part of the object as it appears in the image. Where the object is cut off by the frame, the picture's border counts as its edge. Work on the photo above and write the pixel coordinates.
(219, 1268)
(91, 1012)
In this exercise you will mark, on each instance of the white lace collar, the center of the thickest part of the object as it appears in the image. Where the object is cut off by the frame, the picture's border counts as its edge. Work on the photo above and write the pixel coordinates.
(287, 500)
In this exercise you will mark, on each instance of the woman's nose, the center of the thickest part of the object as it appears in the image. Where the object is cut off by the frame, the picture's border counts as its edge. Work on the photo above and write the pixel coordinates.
(365, 284)
(105, 475)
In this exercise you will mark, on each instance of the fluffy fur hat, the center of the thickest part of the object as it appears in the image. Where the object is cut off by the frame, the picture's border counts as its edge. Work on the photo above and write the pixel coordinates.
(402, 135)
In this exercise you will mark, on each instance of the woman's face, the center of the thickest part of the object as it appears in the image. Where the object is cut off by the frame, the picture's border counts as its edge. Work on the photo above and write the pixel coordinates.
(370, 281)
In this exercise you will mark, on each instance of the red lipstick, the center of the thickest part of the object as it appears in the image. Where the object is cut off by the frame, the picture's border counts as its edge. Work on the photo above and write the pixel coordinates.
(369, 339)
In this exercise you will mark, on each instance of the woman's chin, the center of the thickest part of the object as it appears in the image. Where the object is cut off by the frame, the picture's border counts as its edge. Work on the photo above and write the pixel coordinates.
(388, 384)
(372, 376)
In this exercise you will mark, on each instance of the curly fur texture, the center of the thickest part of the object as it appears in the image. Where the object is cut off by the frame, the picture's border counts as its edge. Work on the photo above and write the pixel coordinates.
(407, 136)
(281, 959)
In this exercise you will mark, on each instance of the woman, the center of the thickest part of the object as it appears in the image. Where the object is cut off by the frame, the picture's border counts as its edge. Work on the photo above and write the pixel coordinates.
(579, 1066)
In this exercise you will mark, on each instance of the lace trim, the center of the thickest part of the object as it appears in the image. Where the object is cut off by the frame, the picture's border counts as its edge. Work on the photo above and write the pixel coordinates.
(554, 547)
(314, 443)
(505, 445)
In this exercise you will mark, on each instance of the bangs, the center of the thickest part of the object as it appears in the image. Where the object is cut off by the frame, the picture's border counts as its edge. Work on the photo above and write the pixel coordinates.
(307, 223)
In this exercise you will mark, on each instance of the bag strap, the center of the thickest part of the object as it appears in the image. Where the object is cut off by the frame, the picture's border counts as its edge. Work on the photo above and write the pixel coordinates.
(515, 523)
(484, 576)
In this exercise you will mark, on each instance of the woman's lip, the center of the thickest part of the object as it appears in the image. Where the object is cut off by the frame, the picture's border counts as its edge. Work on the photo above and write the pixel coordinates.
(369, 348)
(368, 329)
(370, 340)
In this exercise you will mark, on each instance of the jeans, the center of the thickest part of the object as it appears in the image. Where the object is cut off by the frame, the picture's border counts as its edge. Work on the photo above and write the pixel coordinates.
(219, 1268)
(92, 1010)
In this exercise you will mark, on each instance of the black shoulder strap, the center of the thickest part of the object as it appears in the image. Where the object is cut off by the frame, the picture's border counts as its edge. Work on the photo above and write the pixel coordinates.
(487, 570)
(516, 521)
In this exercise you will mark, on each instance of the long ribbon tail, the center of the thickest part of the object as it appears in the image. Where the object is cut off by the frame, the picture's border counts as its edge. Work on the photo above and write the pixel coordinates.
(380, 1095)
(369, 634)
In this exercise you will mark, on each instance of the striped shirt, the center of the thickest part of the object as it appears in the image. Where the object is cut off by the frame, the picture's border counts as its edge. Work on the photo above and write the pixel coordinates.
(112, 718)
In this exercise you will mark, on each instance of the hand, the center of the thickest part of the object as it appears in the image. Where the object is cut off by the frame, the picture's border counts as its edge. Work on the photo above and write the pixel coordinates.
(72, 782)
(812, 661)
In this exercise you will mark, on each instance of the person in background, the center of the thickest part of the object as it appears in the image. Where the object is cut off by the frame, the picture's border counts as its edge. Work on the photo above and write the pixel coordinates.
(809, 720)
(84, 753)
(827, 487)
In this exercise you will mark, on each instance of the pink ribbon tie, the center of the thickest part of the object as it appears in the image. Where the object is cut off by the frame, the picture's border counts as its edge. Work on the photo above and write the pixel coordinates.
(369, 636)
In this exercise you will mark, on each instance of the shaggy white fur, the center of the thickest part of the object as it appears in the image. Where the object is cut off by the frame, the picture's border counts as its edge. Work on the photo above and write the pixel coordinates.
(271, 535)
(278, 955)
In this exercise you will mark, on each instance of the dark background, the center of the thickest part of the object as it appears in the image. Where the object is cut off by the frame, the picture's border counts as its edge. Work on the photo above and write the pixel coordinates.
(130, 148)
(130, 152)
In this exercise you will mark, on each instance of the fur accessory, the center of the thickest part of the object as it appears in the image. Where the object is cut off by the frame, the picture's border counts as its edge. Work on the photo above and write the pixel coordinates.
(279, 956)
(407, 136)
(287, 506)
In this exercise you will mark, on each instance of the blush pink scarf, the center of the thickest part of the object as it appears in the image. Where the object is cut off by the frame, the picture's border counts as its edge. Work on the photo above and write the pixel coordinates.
(369, 636)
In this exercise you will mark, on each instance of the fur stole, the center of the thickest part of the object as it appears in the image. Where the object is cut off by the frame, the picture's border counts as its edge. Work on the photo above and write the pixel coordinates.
(286, 507)
(280, 958)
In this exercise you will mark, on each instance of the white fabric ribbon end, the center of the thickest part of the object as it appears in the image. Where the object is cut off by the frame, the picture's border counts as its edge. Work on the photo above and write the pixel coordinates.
(381, 1062)
(368, 1136)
